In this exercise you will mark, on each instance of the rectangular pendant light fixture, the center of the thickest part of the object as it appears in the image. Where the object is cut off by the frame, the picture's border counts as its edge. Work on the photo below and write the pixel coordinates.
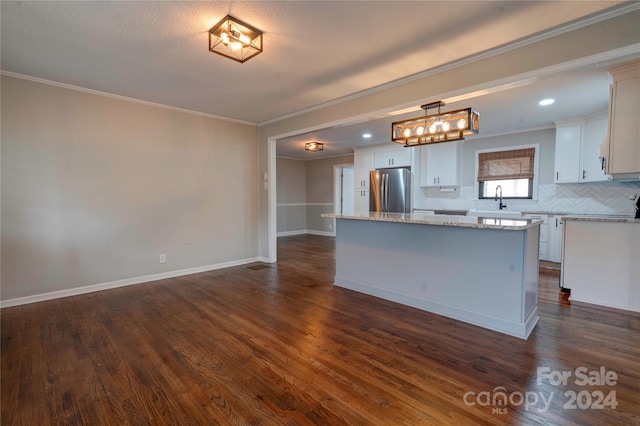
(436, 128)
(313, 146)
(235, 39)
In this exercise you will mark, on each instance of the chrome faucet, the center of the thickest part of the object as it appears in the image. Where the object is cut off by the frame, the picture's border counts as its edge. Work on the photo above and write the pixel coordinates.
(500, 206)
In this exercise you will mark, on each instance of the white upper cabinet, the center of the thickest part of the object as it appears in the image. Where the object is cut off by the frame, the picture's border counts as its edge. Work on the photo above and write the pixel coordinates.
(440, 164)
(578, 147)
(592, 164)
(392, 157)
(624, 126)
(568, 141)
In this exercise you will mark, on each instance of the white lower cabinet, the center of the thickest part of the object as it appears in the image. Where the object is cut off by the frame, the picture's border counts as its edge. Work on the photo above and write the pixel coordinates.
(544, 234)
(555, 227)
(361, 201)
(550, 236)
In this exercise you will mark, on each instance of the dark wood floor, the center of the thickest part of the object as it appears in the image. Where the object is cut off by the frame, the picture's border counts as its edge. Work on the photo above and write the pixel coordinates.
(283, 346)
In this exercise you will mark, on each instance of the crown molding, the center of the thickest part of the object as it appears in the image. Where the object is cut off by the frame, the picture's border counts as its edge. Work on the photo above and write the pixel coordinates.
(119, 97)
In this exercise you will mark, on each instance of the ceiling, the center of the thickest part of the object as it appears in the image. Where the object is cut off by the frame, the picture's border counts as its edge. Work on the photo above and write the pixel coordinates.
(315, 52)
(577, 94)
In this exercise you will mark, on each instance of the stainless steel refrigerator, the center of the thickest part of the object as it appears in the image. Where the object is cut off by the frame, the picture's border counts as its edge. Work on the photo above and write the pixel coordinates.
(390, 190)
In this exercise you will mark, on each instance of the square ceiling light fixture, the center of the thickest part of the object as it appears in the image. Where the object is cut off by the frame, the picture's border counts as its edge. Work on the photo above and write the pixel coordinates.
(313, 146)
(440, 127)
(234, 39)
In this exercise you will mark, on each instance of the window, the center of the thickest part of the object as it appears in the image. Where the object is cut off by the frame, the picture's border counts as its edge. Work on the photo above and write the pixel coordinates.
(511, 169)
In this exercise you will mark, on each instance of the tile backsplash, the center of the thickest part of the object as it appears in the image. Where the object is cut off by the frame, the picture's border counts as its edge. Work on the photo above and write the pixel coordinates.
(585, 198)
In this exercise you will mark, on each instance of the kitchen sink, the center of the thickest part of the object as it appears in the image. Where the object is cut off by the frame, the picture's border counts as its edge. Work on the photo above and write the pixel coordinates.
(495, 213)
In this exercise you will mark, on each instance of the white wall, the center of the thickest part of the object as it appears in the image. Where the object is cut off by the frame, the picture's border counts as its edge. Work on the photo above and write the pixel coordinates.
(95, 188)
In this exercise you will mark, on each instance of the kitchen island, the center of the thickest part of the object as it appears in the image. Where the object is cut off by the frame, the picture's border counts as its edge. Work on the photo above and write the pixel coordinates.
(483, 271)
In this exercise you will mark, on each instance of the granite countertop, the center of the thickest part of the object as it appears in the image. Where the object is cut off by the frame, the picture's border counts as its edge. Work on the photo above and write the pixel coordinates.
(602, 218)
(606, 217)
(443, 220)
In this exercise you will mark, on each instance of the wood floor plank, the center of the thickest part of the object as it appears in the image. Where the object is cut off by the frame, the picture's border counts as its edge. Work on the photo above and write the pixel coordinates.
(283, 346)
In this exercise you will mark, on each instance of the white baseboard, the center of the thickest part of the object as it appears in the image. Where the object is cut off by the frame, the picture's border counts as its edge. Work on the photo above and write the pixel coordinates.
(290, 233)
(305, 231)
(513, 328)
(323, 233)
(123, 283)
(599, 303)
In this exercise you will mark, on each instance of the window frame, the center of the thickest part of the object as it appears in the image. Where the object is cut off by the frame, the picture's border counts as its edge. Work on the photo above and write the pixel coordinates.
(533, 184)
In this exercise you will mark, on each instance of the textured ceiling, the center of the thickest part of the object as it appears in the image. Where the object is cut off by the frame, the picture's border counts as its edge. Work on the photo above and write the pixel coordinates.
(314, 51)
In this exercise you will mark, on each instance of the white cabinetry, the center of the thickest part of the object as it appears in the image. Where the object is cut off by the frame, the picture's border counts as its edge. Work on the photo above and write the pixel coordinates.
(567, 161)
(595, 135)
(554, 240)
(544, 234)
(550, 236)
(392, 157)
(578, 146)
(363, 164)
(623, 147)
(363, 160)
(440, 164)
(361, 201)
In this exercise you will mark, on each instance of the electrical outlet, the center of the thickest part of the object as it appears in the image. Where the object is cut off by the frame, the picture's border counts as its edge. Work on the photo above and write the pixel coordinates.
(163, 258)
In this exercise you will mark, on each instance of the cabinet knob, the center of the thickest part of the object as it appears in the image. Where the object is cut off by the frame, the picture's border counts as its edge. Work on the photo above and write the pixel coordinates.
(584, 174)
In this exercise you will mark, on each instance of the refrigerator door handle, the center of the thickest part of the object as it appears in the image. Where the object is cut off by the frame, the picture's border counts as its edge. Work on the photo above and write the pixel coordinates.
(386, 195)
(383, 192)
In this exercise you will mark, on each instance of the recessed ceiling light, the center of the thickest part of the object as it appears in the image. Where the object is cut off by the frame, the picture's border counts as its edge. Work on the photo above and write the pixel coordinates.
(546, 102)
(366, 135)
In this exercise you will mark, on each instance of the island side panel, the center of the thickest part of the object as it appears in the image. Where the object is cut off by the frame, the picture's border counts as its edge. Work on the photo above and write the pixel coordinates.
(600, 263)
(475, 275)
(532, 276)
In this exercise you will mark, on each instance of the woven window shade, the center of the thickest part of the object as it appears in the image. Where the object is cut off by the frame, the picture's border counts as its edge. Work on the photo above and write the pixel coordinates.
(499, 165)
